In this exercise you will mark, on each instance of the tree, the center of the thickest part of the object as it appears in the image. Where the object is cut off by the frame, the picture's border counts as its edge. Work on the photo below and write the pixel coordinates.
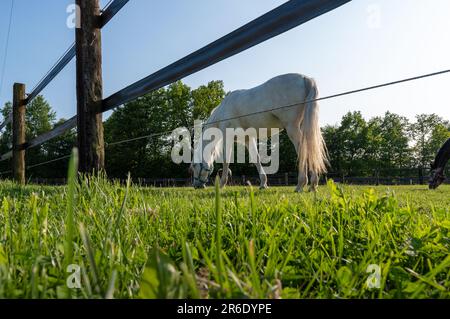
(6, 140)
(353, 140)
(39, 118)
(361, 147)
(427, 133)
(6, 134)
(389, 141)
(439, 135)
(161, 111)
(335, 146)
(142, 117)
(57, 148)
(206, 98)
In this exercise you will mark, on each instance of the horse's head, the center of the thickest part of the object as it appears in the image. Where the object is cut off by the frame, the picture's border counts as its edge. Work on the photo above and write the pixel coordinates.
(437, 177)
(201, 173)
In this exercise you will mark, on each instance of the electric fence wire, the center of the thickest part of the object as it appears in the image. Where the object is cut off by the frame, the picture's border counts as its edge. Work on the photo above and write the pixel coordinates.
(159, 134)
(5, 57)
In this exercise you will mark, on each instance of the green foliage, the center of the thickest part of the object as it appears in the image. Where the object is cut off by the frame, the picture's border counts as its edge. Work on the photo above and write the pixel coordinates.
(133, 242)
(161, 111)
(360, 148)
(386, 146)
(388, 139)
(161, 279)
(429, 132)
(348, 143)
(40, 118)
(206, 98)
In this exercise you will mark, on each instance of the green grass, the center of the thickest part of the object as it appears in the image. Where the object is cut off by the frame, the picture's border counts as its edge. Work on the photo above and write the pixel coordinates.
(133, 242)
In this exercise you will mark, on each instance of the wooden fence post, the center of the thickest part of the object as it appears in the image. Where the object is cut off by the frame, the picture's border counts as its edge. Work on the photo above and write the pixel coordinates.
(89, 88)
(18, 125)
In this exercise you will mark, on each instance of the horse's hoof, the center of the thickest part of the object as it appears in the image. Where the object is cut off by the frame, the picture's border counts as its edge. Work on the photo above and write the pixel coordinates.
(299, 190)
(313, 188)
(263, 187)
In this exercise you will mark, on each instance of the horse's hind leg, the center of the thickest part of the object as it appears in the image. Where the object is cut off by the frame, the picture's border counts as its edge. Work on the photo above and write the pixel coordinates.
(314, 182)
(302, 181)
(294, 134)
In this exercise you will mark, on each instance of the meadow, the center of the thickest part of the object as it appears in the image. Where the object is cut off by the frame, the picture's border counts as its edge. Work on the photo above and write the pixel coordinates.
(106, 240)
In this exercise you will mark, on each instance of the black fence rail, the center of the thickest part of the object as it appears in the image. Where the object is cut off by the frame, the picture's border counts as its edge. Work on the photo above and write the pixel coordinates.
(415, 176)
(20, 101)
(88, 53)
(275, 22)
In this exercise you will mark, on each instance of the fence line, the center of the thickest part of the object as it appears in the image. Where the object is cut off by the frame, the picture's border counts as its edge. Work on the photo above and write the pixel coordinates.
(269, 25)
(6, 156)
(49, 162)
(273, 23)
(159, 134)
(107, 14)
(68, 55)
(56, 132)
(6, 122)
(110, 10)
(5, 54)
(72, 123)
(281, 19)
(281, 179)
(338, 95)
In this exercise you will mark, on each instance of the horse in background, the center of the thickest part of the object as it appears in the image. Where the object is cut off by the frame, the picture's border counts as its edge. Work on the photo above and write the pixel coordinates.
(257, 108)
(438, 166)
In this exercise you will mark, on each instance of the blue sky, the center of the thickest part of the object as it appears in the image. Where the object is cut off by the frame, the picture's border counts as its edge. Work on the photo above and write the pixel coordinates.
(362, 43)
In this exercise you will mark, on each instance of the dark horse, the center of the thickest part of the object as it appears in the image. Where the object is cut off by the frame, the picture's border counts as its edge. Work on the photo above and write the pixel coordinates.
(443, 156)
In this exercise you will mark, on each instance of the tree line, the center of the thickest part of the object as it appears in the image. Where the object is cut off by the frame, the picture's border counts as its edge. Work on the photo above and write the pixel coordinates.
(356, 146)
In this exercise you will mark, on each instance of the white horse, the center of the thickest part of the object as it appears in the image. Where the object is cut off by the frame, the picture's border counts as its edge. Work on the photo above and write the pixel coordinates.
(300, 120)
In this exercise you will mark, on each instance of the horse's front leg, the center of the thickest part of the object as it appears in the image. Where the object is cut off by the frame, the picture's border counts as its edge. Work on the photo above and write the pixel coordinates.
(262, 175)
(258, 164)
(225, 173)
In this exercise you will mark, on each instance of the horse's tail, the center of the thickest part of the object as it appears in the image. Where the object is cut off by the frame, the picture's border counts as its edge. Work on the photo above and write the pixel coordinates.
(312, 152)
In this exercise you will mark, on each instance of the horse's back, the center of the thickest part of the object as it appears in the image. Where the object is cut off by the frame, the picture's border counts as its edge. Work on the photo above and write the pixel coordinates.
(280, 82)
(278, 92)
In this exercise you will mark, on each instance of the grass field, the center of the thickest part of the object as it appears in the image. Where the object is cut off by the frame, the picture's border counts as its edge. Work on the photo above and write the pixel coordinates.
(175, 243)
